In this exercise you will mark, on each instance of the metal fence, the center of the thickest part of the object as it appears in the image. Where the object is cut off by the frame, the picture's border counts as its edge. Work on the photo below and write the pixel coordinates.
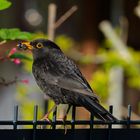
(91, 133)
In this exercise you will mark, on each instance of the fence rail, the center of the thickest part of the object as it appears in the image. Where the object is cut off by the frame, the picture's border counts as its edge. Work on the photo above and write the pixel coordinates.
(91, 133)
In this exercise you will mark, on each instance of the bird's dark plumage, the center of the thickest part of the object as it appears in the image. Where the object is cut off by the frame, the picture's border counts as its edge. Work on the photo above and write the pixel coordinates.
(60, 78)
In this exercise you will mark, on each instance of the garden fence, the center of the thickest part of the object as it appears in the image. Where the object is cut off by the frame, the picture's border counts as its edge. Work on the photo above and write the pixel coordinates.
(93, 132)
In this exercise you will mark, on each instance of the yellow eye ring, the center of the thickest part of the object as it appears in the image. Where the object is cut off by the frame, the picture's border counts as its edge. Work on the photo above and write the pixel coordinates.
(39, 45)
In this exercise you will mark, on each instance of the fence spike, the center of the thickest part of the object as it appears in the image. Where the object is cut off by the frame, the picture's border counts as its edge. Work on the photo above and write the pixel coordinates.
(73, 117)
(35, 116)
(110, 125)
(129, 116)
(91, 125)
(111, 109)
(129, 111)
(35, 121)
(91, 121)
(54, 118)
(15, 117)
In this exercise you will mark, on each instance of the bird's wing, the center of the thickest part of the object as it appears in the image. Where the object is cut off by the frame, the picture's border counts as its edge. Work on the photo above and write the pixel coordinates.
(69, 84)
(69, 77)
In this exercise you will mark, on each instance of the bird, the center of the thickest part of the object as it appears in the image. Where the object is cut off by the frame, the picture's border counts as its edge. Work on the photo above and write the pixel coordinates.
(59, 78)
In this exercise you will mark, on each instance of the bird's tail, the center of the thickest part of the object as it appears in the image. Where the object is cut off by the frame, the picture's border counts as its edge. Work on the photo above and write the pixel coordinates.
(96, 109)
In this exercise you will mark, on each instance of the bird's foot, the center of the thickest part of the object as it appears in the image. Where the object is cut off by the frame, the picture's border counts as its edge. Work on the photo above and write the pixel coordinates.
(64, 118)
(45, 118)
(64, 123)
(65, 129)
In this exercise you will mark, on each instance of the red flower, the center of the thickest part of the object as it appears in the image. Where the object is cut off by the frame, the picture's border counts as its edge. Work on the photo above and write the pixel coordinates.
(12, 51)
(16, 61)
(25, 81)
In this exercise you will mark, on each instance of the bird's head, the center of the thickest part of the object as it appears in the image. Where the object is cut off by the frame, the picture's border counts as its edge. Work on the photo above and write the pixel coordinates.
(39, 47)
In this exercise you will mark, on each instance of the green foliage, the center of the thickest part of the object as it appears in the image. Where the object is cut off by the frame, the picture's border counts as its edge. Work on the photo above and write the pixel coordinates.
(15, 33)
(27, 64)
(23, 96)
(21, 56)
(87, 59)
(134, 82)
(39, 35)
(112, 59)
(4, 4)
(64, 42)
(99, 83)
(131, 68)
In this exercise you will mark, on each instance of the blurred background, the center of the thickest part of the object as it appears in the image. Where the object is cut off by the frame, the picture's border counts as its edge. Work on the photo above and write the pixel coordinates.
(102, 37)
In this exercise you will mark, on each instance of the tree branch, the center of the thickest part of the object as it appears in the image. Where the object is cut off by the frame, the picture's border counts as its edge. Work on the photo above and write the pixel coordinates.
(2, 42)
(64, 17)
(51, 21)
(3, 82)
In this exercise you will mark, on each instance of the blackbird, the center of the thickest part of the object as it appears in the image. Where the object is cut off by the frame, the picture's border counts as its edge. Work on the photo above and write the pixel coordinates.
(60, 78)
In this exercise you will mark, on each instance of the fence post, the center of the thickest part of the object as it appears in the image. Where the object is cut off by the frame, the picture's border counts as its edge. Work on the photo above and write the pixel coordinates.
(35, 121)
(91, 125)
(110, 125)
(15, 117)
(129, 116)
(54, 119)
(73, 117)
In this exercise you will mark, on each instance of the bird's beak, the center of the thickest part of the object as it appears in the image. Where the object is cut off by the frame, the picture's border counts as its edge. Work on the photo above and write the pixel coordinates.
(25, 45)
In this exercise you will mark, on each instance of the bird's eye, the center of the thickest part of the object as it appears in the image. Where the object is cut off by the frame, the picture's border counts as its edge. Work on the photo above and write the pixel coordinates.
(39, 45)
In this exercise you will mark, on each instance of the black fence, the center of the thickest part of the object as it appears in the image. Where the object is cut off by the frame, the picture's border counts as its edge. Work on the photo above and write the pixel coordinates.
(91, 133)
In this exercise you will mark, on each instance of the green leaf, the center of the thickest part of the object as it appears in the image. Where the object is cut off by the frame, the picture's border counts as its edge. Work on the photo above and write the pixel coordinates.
(4, 4)
(21, 56)
(14, 33)
(65, 42)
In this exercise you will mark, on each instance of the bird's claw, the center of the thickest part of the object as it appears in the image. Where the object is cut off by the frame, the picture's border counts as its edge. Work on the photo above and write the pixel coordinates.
(64, 123)
(65, 129)
(64, 118)
(45, 118)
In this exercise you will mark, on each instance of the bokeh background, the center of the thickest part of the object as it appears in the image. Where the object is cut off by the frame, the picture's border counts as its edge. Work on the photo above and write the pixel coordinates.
(102, 37)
